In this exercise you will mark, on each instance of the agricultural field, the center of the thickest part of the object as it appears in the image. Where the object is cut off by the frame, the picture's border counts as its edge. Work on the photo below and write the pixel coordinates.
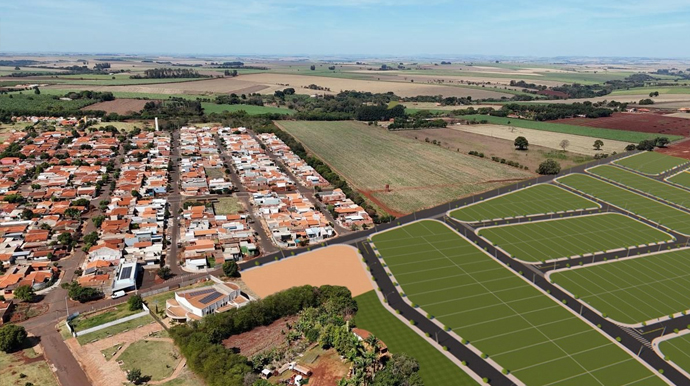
(640, 183)
(30, 103)
(26, 366)
(434, 368)
(529, 201)
(552, 140)
(677, 350)
(632, 290)
(419, 175)
(682, 179)
(648, 89)
(543, 241)
(657, 124)
(651, 163)
(453, 139)
(522, 329)
(563, 128)
(652, 210)
(250, 109)
(119, 106)
(680, 149)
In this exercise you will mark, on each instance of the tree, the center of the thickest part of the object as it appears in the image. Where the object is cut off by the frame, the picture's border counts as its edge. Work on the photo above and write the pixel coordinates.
(25, 293)
(661, 141)
(81, 294)
(91, 238)
(647, 144)
(564, 144)
(312, 67)
(230, 269)
(630, 147)
(521, 143)
(27, 214)
(12, 337)
(37, 91)
(65, 238)
(135, 303)
(598, 144)
(73, 213)
(98, 220)
(164, 272)
(35, 186)
(134, 376)
(136, 194)
(549, 167)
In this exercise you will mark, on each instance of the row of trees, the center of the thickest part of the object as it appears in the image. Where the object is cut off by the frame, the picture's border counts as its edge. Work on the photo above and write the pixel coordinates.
(168, 73)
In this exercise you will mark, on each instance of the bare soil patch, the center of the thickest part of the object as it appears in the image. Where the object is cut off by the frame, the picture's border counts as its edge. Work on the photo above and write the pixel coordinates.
(641, 122)
(261, 338)
(119, 106)
(578, 144)
(678, 149)
(328, 369)
(464, 142)
(334, 265)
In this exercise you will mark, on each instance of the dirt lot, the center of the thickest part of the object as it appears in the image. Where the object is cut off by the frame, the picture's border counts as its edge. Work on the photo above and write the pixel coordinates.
(642, 122)
(102, 372)
(26, 366)
(119, 106)
(456, 140)
(578, 144)
(679, 149)
(261, 338)
(328, 369)
(334, 265)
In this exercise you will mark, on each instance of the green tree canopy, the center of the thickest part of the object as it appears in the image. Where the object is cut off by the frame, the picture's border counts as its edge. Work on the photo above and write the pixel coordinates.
(521, 143)
(12, 337)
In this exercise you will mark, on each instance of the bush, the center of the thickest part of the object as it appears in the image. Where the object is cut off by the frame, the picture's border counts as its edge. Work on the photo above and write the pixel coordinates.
(12, 337)
(135, 303)
(231, 269)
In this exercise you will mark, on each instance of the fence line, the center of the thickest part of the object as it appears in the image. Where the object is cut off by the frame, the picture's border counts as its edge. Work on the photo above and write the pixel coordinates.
(143, 313)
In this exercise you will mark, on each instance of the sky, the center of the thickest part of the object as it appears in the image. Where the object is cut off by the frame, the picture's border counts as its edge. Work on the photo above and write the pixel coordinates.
(530, 28)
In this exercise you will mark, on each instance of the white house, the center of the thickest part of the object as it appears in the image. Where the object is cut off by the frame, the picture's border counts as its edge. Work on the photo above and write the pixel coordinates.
(193, 304)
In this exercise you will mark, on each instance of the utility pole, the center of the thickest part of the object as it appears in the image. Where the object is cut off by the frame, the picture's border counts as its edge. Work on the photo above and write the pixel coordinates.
(66, 306)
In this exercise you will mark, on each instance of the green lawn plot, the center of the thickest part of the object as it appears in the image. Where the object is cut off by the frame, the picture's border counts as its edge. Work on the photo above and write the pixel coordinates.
(573, 236)
(648, 185)
(633, 290)
(682, 179)
(532, 200)
(651, 163)
(652, 210)
(618, 135)
(86, 321)
(648, 89)
(434, 367)
(250, 109)
(156, 359)
(677, 350)
(501, 314)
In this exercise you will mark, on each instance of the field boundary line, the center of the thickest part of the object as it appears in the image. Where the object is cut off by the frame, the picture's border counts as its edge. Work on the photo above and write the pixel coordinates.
(530, 185)
(667, 179)
(657, 341)
(615, 162)
(402, 320)
(624, 209)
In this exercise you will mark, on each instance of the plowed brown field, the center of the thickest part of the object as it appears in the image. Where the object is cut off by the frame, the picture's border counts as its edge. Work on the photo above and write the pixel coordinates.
(642, 122)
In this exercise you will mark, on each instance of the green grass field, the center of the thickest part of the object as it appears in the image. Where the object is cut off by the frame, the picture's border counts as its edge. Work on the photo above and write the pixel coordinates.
(532, 200)
(419, 175)
(682, 179)
(651, 163)
(23, 368)
(156, 359)
(633, 290)
(250, 109)
(618, 135)
(648, 89)
(677, 350)
(653, 210)
(554, 239)
(434, 367)
(651, 186)
(519, 327)
(132, 95)
(114, 330)
(86, 321)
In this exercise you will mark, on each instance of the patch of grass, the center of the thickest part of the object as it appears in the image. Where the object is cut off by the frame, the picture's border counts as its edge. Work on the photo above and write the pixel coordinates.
(677, 350)
(156, 359)
(529, 201)
(110, 352)
(434, 368)
(547, 240)
(214, 172)
(13, 365)
(250, 109)
(86, 321)
(228, 205)
(651, 163)
(618, 135)
(114, 330)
